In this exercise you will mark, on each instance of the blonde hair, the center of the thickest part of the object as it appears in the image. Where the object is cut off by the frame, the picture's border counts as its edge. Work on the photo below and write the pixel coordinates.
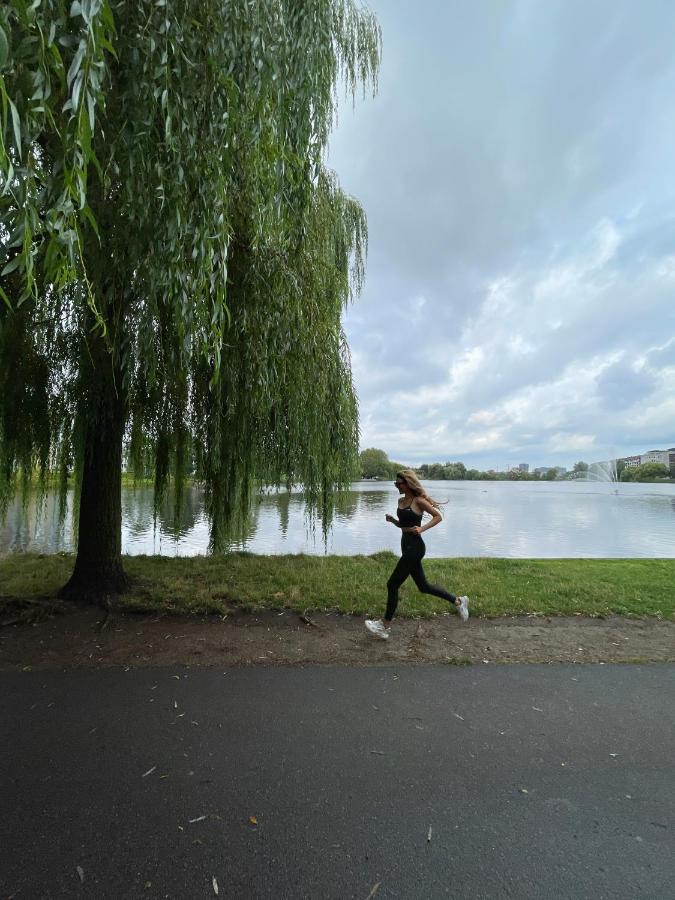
(415, 486)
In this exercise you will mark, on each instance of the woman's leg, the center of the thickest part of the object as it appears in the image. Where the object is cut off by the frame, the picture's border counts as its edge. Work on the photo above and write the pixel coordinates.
(426, 587)
(396, 579)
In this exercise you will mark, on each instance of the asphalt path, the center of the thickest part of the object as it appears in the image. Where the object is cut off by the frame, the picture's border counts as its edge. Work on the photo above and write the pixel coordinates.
(411, 782)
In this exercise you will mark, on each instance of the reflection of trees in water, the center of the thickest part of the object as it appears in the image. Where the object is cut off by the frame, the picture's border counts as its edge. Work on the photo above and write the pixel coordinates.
(282, 502)
(138, 511)
(290, 511)
(377, 500)
(283, 510)
(249, 529)
(287, 505)
(281, 513)
(138, 514)
(35, 526)
(19, 527)
(346, 504)
(352, 504)
(243, 532)
(178, 522)
(287, 509)
(277, 518)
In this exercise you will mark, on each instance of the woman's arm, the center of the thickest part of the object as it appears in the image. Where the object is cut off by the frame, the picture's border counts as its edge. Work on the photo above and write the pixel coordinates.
(393, 520)
(426, 507)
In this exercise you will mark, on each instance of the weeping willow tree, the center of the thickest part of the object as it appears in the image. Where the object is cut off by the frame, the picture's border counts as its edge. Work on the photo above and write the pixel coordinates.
(175, 255)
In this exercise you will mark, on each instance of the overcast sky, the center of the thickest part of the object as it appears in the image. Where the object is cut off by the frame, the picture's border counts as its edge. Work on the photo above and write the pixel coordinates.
(517, 168)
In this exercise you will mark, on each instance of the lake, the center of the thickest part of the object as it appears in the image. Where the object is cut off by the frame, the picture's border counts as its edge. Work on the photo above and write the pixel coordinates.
(507, 519)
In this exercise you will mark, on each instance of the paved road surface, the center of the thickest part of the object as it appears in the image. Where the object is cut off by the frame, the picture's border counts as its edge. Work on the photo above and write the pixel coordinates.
(532, 782)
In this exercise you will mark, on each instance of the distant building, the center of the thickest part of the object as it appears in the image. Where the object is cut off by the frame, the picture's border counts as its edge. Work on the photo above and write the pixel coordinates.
(666, 457)
(541, 470)
(656, 456)
(560, 470)
(523, 467)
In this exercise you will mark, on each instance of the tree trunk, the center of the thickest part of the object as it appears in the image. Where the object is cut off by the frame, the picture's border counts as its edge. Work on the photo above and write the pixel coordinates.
(98, 572)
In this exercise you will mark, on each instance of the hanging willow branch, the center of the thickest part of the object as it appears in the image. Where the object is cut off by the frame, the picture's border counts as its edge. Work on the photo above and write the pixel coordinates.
(172, 249)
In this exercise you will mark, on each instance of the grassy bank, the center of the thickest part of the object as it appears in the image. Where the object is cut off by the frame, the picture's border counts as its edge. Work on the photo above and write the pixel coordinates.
(356, 584)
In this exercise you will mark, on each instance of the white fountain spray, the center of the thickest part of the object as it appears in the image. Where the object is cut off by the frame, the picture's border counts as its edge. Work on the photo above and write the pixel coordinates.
(603, 471)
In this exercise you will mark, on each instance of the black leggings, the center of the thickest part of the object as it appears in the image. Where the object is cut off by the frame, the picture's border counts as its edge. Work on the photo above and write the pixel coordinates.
(410, 563)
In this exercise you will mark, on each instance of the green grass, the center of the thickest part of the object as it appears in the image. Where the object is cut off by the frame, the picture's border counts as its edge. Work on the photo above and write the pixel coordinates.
(357, 584)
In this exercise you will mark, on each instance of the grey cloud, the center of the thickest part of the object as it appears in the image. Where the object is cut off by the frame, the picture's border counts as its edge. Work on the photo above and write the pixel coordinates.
(620, 386)
(663, 357)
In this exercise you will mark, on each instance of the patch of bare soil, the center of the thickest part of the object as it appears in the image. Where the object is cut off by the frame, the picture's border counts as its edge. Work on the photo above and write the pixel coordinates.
(82, 637)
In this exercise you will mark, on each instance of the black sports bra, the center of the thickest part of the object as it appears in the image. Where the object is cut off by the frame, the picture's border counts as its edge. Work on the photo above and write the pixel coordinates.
(407, 517)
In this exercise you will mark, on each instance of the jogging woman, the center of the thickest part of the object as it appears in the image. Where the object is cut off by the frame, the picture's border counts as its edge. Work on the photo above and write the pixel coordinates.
(411, 507)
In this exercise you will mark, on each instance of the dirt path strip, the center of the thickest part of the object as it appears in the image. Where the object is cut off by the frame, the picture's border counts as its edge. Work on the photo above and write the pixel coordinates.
(82, 638)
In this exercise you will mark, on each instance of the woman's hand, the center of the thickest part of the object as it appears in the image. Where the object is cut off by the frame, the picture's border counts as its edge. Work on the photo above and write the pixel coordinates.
(391, 519)
(414, 530)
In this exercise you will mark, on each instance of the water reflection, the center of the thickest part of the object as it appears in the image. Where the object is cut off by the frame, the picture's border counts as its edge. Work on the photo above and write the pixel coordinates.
(521, 519)
(284, 507)
(35, 526)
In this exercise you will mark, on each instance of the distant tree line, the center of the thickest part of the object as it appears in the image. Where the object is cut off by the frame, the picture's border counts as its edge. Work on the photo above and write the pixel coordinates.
(374, 463)
(650, 471)
(457, 471)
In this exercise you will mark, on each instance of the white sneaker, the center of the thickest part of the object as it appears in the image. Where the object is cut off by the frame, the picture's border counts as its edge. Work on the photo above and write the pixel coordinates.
(377, 629)
(463, 608)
